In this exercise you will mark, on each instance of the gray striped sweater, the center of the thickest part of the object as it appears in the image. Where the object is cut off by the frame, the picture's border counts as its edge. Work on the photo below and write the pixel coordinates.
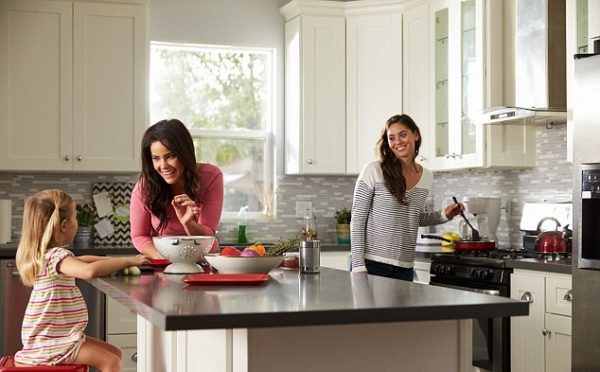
(383, 229)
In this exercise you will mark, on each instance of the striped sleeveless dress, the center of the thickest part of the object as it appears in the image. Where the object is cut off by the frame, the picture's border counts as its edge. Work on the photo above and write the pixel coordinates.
(55, 317)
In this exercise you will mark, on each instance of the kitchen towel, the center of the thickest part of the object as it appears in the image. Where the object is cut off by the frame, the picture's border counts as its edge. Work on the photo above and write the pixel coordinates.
(5, 221)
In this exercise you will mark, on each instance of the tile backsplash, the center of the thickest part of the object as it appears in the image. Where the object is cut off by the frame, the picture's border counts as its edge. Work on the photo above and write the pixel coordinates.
(550, 180)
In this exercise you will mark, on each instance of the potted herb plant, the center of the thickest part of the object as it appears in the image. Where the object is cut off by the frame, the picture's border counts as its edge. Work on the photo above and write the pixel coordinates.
(86, 219)
(342, 227)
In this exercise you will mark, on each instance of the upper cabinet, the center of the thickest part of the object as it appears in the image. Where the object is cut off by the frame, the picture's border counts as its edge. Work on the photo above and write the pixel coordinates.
(466, 70)
(72, 84)
(343, 68)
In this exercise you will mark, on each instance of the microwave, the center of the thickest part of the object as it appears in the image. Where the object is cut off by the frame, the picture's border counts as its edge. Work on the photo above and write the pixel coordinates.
(589, 233)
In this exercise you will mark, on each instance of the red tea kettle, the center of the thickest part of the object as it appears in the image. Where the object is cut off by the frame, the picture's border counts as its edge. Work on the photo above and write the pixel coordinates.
(551, 241)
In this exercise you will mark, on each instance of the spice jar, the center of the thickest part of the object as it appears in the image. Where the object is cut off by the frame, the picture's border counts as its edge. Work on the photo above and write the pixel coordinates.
(291, 260)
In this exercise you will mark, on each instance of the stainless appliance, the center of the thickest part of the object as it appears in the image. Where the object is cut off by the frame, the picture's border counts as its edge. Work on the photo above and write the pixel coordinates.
(484, 272)
(586, 156)
(13, 301)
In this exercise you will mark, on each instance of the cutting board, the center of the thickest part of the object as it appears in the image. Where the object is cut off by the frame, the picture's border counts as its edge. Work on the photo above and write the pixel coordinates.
(120, 195)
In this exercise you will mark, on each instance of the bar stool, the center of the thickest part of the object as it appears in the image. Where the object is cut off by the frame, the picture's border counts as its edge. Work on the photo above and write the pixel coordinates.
(7, 364)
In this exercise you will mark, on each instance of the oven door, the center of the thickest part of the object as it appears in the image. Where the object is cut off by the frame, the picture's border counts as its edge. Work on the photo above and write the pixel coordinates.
(491, 337)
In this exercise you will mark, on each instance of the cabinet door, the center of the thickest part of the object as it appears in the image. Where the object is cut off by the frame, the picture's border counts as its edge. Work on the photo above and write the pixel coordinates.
(110, 85)
(526, 339)
(558, 343)
(315, 115)
(128, 345)
(373, 82)
(119, 319)
(558, 295)
(415, 67)
(36, 86)
(458, 86)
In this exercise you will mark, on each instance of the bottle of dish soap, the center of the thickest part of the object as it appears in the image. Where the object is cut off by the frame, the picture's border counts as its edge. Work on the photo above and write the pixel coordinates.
(242, 222)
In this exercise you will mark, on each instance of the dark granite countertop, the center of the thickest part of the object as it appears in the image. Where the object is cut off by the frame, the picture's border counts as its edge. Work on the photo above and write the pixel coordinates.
(289, 298)
(563, 265)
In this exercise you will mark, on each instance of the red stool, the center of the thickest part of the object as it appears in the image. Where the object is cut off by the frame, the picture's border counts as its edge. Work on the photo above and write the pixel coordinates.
(7, 364)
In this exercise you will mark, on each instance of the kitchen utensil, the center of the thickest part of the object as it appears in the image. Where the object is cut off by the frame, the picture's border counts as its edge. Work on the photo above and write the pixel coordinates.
(183, 251)
(551, 241)
(468, 245)
(243, 265)
(475, 234)
(225, 279)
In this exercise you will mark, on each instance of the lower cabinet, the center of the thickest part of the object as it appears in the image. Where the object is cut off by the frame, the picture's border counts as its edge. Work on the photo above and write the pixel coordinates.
(336, 260)
(121, 331)
(541, 341)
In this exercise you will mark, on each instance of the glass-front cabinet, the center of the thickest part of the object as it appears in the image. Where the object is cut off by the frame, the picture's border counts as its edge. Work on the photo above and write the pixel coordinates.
(458, 83)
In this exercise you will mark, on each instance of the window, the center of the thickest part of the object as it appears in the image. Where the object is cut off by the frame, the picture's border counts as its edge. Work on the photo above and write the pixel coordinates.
(225, 96)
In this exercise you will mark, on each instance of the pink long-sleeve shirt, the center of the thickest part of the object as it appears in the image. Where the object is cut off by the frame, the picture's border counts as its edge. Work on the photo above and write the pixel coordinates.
(210, 201)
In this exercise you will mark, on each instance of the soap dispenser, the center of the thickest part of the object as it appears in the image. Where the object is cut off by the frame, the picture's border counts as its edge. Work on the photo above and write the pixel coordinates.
(242, 222)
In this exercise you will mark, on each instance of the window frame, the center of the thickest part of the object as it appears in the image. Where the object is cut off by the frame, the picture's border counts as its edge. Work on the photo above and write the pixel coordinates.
(266, 135)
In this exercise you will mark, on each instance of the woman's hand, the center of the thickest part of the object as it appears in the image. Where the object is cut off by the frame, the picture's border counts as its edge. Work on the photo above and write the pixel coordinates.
(453, 210)
(185, 208)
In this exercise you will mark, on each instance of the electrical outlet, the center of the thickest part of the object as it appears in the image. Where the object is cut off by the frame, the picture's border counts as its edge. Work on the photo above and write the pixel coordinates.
(301, 207)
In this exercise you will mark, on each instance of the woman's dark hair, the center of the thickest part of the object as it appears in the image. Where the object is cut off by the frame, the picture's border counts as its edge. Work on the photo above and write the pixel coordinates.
(390, 165)
(174, 135)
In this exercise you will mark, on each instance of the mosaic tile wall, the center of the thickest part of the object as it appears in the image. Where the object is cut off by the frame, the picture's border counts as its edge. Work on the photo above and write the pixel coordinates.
(549, 181)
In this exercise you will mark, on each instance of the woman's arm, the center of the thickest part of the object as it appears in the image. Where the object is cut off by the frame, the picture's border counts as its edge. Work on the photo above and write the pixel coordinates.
(77, 268)
(140, 224)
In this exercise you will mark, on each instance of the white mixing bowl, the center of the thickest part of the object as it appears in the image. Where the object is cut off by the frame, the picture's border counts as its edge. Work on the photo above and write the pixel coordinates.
(243, 265)
(183, 251)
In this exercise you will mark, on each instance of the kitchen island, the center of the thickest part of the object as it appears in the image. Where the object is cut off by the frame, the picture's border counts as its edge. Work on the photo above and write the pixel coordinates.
(334, 320)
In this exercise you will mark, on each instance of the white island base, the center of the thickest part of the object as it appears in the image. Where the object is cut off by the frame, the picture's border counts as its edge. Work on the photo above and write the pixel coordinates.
(443, 345)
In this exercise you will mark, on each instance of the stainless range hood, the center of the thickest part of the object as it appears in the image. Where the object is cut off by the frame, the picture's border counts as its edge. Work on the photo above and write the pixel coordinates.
(540, 67)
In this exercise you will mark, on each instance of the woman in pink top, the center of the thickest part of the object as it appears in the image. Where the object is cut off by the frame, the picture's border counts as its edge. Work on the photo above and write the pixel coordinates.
(174, 195)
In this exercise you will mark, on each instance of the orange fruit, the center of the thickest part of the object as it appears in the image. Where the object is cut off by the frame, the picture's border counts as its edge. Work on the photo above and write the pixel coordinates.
(259, 248)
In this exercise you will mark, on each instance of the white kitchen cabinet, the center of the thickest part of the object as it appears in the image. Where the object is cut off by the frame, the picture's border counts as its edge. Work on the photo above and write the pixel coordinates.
(373, 78)
(466, 72)
(541, 341)
(336, 260)
(416, 66)
(121, 331)
(72, 84)
(315, 121)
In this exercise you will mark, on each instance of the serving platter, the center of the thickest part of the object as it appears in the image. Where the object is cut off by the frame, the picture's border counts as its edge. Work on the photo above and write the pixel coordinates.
(225, 279)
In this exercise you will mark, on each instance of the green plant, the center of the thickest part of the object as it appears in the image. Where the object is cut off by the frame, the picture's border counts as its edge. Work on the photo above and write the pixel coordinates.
(342, 216)
(86, 214)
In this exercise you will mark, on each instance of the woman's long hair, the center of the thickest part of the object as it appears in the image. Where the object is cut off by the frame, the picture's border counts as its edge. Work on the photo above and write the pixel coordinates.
(392, 166)
(174, 135)
(42, 216)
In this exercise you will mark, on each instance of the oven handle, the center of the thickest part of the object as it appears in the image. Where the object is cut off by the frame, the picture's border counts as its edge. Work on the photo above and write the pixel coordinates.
(493, 292)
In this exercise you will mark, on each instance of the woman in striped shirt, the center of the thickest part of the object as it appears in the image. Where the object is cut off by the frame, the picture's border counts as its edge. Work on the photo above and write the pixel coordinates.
(56, 315)
(389, 201)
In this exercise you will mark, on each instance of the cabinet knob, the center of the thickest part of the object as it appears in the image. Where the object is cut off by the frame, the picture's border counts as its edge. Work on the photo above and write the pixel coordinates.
(79, 158)
(546, 332)
(527, 297)
(67, 157)
(568, 296)
(422, 158)
(134, 356)
(309, 161)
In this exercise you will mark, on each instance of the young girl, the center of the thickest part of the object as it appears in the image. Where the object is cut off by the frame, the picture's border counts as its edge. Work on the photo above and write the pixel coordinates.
(56, 315)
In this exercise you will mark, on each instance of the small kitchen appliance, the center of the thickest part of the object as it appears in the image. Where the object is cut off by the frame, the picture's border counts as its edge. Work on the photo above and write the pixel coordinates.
(589, 255)
(484, 214)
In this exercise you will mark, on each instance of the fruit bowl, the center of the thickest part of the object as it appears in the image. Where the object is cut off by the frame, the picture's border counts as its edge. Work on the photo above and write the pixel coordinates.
(183, 251)
(243, 265)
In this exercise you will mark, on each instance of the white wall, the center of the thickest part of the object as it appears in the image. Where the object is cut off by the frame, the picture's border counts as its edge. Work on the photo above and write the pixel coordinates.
(250, 23)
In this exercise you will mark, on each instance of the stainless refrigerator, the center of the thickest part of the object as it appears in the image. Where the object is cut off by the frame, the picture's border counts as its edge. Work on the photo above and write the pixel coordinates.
(586, 208)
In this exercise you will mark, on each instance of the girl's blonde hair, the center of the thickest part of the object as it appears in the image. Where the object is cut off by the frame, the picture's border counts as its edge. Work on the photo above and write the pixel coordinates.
(42, 216)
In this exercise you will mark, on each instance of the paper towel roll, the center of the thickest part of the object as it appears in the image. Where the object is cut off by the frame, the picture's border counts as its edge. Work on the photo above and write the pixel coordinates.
(5, 221)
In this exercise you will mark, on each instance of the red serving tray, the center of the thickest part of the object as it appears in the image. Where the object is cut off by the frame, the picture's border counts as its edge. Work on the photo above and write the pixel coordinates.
(225, 279)
(158, 263)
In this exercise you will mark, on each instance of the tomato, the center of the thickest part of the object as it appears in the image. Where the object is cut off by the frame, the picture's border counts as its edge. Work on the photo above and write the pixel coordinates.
(230, 251)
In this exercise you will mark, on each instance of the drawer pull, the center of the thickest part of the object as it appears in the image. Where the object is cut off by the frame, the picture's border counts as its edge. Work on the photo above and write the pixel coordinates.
(568, 296)
(527, 297)
(134, 357)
